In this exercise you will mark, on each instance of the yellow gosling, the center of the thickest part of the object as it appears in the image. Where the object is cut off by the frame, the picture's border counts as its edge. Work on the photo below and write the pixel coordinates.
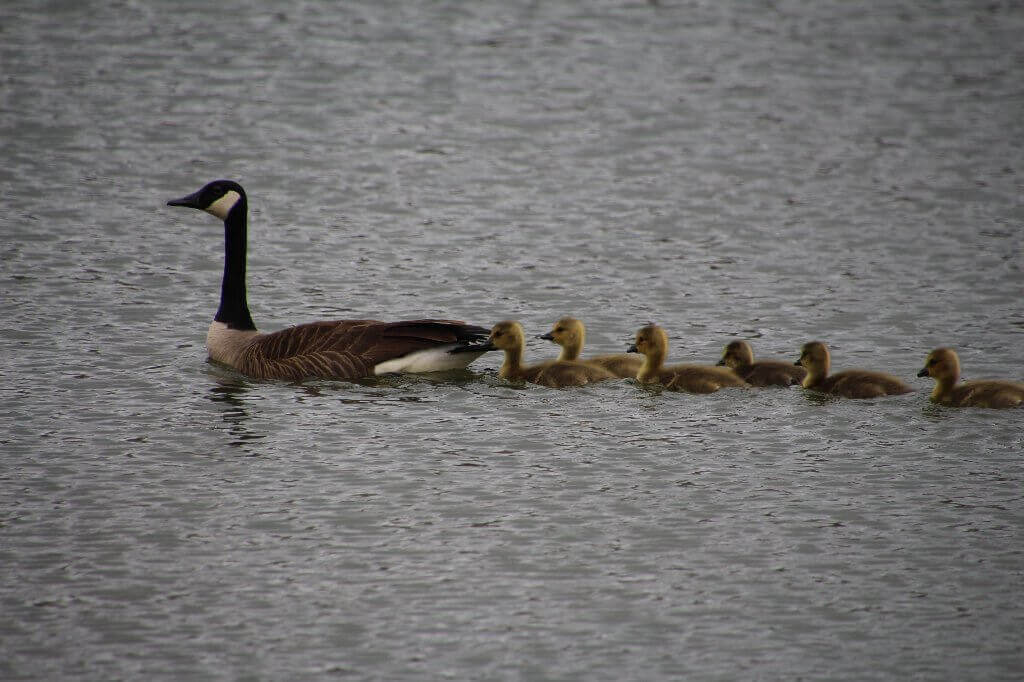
(943, 365)
(739, 357)
(652, 343)
(851, 383)
(508, 336)
(570, 334)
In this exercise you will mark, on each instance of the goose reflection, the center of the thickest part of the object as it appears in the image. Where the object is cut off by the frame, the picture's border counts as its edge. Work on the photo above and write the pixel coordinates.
(229, 394)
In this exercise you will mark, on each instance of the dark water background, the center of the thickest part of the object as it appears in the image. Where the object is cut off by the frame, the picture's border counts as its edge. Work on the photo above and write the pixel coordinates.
(780, 171)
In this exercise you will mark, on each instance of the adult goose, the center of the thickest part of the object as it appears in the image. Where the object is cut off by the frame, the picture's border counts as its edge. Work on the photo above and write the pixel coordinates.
(335, 349)
(509, 337)
(851, 383)
(569, 333)
(739, 357)
(652, 342)
(943, 365)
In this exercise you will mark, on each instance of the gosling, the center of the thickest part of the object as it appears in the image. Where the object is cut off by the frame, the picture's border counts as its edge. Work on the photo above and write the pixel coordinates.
(652, 342)
(509, 337)
(943, 365)
(739, 357)
(851, 383)
(569, 333)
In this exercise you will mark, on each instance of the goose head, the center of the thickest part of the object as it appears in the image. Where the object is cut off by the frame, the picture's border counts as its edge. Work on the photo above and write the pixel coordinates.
(650, 340)
(507, 335)
(737, 354)
(568, 333)
(814, 357)
(942, 364)
(216, 198)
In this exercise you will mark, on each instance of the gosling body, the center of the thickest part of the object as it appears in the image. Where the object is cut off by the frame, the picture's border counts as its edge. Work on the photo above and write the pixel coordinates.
(851, 383)
(943, 365)
(739, 357)
(570, 334)
(326, 349)
(509, 337)
(652, 343)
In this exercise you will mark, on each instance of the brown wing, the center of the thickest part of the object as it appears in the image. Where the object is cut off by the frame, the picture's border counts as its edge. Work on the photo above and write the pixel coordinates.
(570, 373)
(773, 373)
(623, 365)
(988, 393)
(347, 349)
(864, 384)
(699, 378)
(529, 373)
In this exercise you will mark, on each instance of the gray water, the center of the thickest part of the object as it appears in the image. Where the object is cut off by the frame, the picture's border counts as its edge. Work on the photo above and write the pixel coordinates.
(787, 171)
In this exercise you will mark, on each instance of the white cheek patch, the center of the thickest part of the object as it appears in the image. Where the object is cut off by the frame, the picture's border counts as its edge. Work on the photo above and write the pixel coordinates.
(221, 207)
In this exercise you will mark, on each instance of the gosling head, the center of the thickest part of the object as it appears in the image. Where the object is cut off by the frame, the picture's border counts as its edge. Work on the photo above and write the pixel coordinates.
(650, 339)
(216, 198)
(737, 354)
(814, 357)
(941, 364)
(568, 331)
(507, 335)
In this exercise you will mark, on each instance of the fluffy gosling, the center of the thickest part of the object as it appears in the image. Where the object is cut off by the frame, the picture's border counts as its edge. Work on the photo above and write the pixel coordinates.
(943, 365)
(508, 336)
(652, 342)
(851, 383)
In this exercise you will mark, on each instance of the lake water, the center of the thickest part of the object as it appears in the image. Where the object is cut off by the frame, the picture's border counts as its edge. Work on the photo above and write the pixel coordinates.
(787, 171)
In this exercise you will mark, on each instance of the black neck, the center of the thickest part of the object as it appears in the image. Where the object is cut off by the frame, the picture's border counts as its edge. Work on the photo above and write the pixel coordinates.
(234, 311)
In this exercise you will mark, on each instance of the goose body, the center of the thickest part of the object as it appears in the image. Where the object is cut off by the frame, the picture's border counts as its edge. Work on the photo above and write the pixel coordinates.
(739, 357)
(943, 365)
(570, 334)
(509, 337)
(327, 349)
(851, 383)
(652, 343)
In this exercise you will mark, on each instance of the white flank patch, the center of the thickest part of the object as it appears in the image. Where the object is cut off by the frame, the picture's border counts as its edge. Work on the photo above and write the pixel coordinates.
(221, 207)
(224, 344)
(431, 360)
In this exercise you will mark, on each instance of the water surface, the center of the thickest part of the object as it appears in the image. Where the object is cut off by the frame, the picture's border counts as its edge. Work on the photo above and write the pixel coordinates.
(777, 173)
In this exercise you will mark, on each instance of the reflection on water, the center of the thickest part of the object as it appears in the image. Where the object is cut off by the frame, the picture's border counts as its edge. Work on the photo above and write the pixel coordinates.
(230, 395)
(818, 398)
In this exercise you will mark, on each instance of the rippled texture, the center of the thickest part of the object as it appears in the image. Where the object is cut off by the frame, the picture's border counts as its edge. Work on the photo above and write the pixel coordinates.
(778, 173)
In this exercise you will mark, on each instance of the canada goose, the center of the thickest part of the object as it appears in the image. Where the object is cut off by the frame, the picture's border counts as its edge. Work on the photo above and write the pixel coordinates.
(739, 356)
(338, 349)
(569, 333)
(652, 342)
(851, 383)
(509, 337)
(943, 365)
